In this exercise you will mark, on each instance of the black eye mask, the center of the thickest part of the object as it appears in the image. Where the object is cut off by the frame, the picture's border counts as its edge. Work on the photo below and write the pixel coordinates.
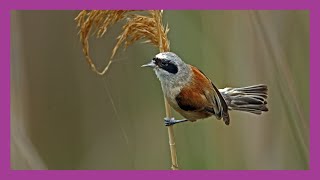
(166, 65)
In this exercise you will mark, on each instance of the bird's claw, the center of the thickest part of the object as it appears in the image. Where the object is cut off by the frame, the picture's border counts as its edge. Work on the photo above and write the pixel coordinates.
(169, 121)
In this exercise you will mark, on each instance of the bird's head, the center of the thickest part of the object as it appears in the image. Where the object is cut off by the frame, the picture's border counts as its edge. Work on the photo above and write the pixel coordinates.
(169, 67)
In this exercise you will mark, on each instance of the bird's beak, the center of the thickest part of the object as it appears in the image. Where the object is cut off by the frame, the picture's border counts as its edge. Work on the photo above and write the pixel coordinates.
(151, 64)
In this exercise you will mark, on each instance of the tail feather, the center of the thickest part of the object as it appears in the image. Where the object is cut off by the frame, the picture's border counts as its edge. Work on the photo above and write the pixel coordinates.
(252, 99)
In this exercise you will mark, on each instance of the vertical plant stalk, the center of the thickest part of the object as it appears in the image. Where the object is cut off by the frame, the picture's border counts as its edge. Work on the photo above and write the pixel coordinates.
(172, 144)
(137, 27)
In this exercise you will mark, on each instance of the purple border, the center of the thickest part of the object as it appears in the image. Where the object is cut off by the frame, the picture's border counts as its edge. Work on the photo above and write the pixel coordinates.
(6, 6)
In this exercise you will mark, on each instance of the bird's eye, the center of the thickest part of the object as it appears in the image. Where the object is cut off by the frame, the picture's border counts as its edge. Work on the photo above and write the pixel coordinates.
(169, 67)
(165, 63)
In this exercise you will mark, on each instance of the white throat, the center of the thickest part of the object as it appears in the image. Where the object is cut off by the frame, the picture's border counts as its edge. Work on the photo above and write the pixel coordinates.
(173, 83)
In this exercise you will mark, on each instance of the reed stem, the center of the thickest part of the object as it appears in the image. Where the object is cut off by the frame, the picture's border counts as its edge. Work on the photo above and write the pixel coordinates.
(172, 144)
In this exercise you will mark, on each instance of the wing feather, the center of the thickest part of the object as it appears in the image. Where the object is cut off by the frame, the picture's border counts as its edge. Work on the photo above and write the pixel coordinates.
(203, 97)
(214, 96)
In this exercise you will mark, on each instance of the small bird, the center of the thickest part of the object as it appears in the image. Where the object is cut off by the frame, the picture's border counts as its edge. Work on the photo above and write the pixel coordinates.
(192, 94)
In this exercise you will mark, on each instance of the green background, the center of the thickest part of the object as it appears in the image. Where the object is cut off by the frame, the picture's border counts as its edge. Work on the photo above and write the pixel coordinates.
(64, 116)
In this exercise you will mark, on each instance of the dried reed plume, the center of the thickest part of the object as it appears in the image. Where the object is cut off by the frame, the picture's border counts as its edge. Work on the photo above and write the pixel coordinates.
(138, 26)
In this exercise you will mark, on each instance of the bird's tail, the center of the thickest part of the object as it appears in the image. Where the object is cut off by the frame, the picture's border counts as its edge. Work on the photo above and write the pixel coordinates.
(251, 99)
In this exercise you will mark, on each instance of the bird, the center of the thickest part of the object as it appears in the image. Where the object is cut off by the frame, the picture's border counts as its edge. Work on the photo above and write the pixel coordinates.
(193, 95)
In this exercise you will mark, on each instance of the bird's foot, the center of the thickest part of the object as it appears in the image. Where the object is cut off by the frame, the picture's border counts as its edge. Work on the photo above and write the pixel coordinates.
(172, 121)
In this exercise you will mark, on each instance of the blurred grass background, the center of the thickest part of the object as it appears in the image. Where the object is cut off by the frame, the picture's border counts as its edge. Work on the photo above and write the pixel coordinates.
(63, 116)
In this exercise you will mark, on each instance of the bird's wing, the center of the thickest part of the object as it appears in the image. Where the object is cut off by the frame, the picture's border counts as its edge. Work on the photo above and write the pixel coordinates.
(191, 99)
(217, 103)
